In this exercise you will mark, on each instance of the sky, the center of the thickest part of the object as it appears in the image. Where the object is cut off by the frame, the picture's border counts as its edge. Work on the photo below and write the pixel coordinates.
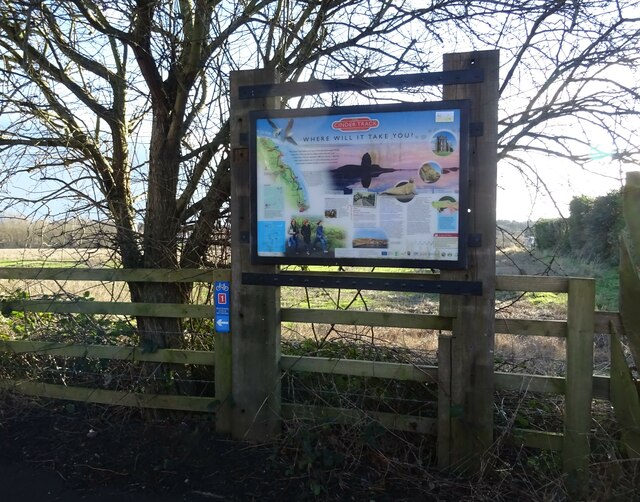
(519, 201)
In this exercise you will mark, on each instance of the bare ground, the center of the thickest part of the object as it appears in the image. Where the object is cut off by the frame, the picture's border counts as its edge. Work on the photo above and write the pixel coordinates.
(56, 451)
(62, 452)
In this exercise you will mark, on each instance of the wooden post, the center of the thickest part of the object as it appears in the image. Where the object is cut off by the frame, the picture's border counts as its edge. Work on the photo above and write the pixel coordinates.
(630, 296)
(624, 397)
(222, 372)
(472, 343)
(255, 310)
(578, 391)
(630, 264)
(631, 207)
(444, 402)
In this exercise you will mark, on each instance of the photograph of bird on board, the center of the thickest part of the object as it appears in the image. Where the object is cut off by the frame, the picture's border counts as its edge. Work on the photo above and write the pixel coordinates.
(377, 185)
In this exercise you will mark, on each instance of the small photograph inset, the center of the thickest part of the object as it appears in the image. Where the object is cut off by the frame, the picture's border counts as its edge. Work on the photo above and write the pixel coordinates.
(430, 172)
(403, 191)
(446, 205)
(364, 199)
(443, 143)
(373, 238)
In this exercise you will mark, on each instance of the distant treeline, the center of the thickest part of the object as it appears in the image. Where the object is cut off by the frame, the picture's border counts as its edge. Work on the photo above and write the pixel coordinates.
(591, 232)
(19, 232)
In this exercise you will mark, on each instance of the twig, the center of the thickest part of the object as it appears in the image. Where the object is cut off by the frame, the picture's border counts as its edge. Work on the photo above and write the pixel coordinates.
(102, 469)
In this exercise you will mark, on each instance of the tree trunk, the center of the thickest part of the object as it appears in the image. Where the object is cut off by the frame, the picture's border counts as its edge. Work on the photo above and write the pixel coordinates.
(160, 233)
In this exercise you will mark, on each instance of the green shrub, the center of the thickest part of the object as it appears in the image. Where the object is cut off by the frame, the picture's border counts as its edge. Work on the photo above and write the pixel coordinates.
(76, 328)
(590, 233)
(551, 234)
(603, 228)
(579, 215)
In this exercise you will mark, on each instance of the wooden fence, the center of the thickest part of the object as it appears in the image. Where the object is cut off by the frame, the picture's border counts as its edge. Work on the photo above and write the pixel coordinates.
(119, 353)
(579, 385)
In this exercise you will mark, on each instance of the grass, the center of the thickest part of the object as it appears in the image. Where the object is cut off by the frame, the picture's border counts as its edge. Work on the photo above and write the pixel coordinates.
(41, 264)
(542, 299)
(535, 263)
(607, 289)
(320, 298)
(605, 275)
(351, 299)
(64, 257)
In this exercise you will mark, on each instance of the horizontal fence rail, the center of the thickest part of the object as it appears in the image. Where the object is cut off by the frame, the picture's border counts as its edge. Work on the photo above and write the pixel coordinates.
(110, 308)
(116, 274)
(521, 382)
(111, 397)
(115, 352)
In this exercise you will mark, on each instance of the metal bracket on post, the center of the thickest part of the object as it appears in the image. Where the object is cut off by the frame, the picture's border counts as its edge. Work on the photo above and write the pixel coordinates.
(464, 288)
(476, 129)
(474, 240)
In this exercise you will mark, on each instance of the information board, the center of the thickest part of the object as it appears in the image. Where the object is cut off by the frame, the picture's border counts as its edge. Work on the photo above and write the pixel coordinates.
(378, 185)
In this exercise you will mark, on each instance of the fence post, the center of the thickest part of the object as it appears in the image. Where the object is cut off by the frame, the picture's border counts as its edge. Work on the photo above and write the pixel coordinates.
(578, 393)
(472, 343)
(624, 395)
(255, 310)
(624, 398)
(222, 372)
(630, 264)
(631, 208)
(444, 402)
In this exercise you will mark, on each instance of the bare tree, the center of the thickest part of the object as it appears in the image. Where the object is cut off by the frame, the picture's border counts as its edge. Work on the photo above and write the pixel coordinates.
(120, 109)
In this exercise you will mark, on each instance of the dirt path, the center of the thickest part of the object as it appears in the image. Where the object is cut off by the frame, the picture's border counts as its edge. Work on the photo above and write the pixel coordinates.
(71, 452)
(26, 482)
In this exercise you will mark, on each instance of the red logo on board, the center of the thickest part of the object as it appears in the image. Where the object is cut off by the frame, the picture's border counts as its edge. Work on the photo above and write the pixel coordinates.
(222, 298)
(355, 124)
